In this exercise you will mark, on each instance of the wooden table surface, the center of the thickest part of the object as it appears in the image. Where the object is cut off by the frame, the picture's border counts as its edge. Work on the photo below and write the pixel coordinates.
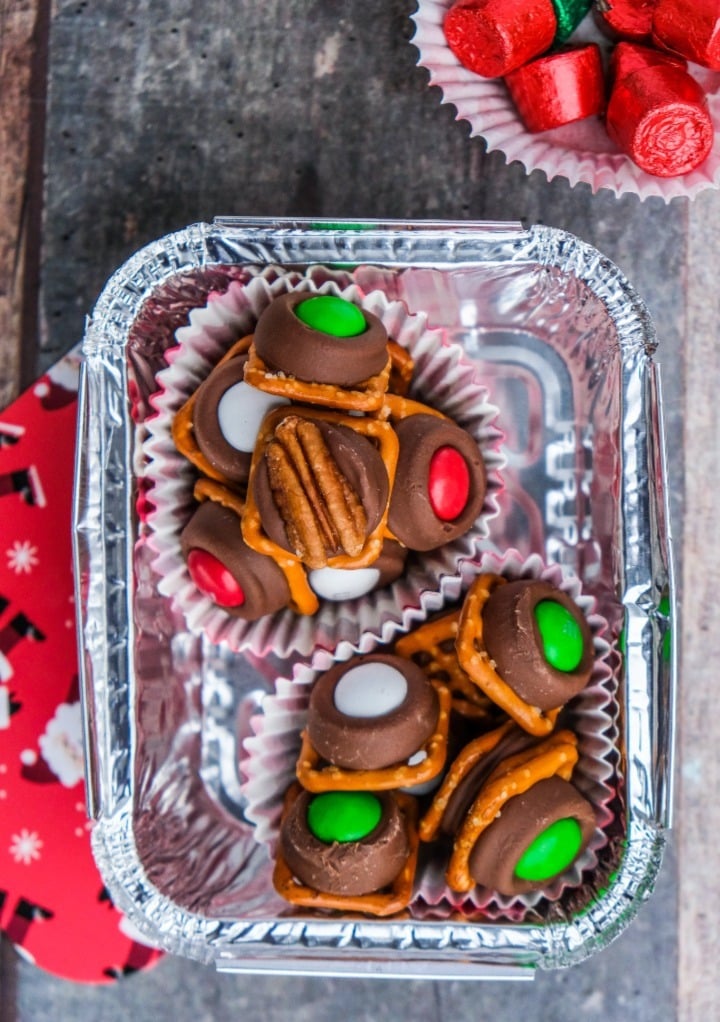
(121, 122)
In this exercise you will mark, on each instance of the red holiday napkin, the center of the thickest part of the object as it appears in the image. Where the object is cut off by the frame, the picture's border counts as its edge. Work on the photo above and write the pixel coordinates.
(53, 905)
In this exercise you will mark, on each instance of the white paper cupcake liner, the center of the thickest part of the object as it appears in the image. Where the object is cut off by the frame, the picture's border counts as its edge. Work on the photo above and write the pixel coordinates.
(272, 751)
(581, 152)
(443, 378)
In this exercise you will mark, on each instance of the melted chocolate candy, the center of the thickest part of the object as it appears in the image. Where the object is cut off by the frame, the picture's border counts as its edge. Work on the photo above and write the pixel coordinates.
(227, 416)
(526, 834)
(287, 345)
(434, 501)
(514, 641)
(360, 463)
(371, 712)
(347, 865)
(243, 582)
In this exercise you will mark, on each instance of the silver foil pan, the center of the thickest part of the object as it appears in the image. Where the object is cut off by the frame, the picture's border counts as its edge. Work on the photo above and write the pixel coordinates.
(567, 348)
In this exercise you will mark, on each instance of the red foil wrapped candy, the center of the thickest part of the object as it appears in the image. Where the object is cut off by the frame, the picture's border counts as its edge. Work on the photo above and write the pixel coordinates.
(493, 37)
(625, 19)
(692, 30)
(658, 115)
(558, 88)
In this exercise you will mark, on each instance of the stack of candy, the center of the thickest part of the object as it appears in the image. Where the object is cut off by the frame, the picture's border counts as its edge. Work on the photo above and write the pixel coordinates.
(654, 109)
(449, 742)
(317, 473)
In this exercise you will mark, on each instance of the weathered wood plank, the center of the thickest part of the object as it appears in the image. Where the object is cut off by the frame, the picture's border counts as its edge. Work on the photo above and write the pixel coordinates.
(23, 64)
(699, 775)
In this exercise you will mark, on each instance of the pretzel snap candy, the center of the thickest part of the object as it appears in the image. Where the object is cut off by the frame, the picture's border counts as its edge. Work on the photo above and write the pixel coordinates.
(489, 773)
(375, 723)
(320, 349)
(527, 645)
(471, 754)
(300, 596)
(349, 851)
(203, 429)
(319, 487)
(222, 566)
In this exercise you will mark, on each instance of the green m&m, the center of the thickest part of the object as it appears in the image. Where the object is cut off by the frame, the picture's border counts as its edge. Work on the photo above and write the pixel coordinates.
(551, 852)
(331, 315)
(562, 638)
(343, 815)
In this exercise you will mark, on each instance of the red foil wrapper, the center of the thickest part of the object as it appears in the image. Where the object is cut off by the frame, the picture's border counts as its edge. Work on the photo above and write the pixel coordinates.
(558, 89)
(693, 30)
(659, 117)
(494, 37)
(625, 19)
(627, 58)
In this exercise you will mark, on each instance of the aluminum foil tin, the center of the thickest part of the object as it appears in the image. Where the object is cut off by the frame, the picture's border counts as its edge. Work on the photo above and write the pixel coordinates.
(566, 346)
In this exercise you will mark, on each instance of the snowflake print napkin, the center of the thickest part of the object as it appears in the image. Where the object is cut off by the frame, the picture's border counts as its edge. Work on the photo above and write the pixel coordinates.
(53, 905)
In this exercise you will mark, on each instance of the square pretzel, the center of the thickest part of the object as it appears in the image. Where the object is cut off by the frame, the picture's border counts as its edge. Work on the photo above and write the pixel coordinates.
(389, 902)
(366, 396)
(318, 778)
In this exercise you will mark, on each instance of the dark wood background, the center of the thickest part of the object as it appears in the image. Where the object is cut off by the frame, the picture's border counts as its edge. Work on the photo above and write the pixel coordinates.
(120, 122)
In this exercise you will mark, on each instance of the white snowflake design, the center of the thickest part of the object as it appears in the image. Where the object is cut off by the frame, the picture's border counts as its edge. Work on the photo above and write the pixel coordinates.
(22, 557)
(25, 846)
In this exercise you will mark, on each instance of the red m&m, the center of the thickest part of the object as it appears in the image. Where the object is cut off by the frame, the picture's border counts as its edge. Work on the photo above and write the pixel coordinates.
(212, 578)
(448, 483)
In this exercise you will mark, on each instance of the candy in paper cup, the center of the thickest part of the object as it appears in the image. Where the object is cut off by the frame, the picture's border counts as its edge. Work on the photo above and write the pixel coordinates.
(581, 152)
(269, 766)
(443, 378)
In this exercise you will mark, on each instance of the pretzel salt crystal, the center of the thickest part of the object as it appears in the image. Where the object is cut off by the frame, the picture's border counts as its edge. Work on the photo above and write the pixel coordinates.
(318, 778)
(480, 668)
(378, 903)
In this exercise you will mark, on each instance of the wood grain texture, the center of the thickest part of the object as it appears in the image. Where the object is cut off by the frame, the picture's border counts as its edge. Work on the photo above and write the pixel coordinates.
(699, 776)
(17, 24)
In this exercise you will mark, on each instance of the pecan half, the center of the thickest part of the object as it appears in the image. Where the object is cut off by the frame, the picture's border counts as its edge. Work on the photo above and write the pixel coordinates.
(322, 514)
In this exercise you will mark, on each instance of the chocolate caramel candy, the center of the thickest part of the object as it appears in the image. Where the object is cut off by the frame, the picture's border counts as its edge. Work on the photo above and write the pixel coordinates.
(321, 339)
(440, 482)
(539, 641)
(629, 20)
(226, 418)
(536, 837)
(321, 488)
(346, 843)
(243, 582)
(371, 712)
